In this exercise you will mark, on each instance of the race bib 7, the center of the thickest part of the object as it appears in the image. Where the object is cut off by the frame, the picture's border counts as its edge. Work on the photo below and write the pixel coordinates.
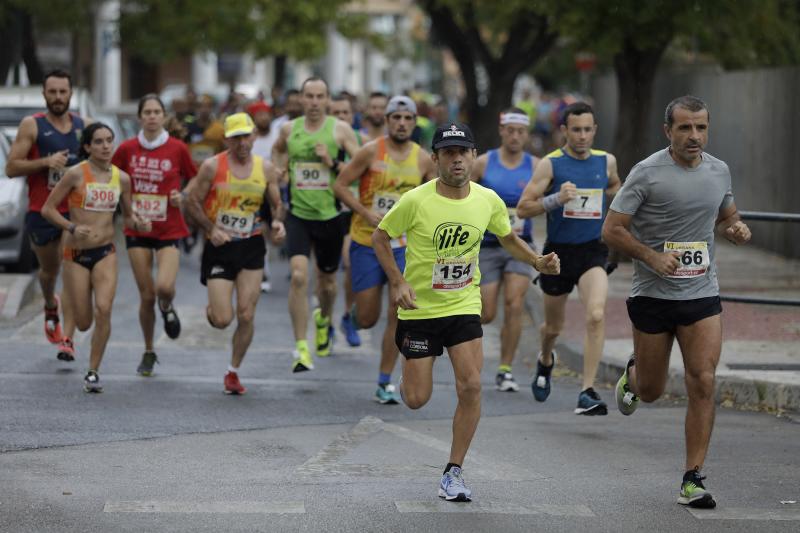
(588, 204)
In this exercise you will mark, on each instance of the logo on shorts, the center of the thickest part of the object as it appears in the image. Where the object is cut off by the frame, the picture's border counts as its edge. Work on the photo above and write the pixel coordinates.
(455, 239)
(420, 346)
(216, 270)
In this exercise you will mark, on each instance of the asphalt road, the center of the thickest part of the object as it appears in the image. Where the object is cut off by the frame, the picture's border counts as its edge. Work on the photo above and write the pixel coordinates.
(312, 451)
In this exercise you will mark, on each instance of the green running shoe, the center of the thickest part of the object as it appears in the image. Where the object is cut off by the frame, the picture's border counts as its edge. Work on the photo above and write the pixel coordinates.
(693, 493)
(324, 335)
(627, 401)
(302, 361)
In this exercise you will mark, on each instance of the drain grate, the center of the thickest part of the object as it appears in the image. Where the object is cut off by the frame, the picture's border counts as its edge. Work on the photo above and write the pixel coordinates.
(788, 367)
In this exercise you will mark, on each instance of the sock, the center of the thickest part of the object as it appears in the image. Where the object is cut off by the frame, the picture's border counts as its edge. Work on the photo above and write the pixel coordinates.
(449, 466)
(502, 369)
(301, 346)
(233, 369)
(384, 379)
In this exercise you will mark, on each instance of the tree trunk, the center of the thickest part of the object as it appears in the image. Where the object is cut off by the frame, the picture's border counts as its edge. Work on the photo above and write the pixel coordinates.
(280, 71)
(9, 43)
(29, 55)
(636, 71)
(483, 120)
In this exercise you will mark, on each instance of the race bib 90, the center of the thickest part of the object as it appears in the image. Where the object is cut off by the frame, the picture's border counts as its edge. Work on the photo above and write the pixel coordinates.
(101, 197)
(453, 274)
(150, 206)
(694, 258)
(235, 223)
(588, 204)
(312, 176)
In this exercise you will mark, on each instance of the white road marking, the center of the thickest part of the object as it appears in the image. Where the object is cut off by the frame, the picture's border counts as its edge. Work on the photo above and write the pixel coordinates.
(745, 513)
(205, 507)
(431, 506)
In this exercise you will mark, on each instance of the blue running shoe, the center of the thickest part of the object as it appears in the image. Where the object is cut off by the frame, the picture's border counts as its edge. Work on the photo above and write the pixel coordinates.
(452, 487)
(387, 395)
(590, 404)
(350, 331)
(541, 382)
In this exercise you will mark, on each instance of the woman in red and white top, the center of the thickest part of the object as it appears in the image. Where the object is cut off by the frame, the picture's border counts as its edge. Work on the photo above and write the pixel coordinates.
(159, 165)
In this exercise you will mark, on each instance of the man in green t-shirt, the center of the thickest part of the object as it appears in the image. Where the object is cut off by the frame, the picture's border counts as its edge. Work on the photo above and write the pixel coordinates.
(438, 293)
(307, 149)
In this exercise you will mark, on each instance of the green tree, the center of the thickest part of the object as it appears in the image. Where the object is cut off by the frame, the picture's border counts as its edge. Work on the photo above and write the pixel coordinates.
(636, 35)
(503, 39)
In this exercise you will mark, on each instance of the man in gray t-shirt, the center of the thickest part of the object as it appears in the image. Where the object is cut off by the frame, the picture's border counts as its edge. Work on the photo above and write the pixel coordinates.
(664, 217)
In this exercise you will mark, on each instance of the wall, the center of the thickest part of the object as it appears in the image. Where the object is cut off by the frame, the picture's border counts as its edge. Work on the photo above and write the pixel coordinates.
(755, 127)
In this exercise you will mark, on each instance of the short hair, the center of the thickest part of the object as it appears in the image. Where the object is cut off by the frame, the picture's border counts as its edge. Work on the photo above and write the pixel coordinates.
(57, 73)
(688, 102)
(578, 108)
(340, 97)
(377, 94)
(88, 135)
(150, 96)
(291, 92)
(314, 78)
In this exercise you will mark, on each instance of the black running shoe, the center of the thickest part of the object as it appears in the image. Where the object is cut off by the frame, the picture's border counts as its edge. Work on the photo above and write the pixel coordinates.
(693, 493)
(149, 359)
(172, 325)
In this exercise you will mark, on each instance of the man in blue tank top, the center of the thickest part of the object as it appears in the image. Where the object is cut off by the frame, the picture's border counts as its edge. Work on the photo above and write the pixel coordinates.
(45, 146)
(506, 170)
(572, 185)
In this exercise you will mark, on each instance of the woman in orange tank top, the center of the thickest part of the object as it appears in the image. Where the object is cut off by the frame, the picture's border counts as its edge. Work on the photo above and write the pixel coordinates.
(94, 188)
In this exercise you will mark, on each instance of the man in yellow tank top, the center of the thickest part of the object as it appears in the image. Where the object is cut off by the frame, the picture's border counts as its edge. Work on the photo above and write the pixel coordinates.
(226, 201)
(386, 167)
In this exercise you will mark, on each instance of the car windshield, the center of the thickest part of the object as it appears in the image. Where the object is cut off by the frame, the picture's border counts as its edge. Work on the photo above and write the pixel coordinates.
(11, 116)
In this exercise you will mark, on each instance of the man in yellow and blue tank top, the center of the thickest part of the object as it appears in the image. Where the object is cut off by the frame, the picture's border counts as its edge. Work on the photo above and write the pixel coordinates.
(573, 185)
(386, 168)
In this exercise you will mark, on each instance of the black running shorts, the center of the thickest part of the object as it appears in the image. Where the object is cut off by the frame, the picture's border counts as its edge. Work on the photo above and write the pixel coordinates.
(428, 337)
(656, 315)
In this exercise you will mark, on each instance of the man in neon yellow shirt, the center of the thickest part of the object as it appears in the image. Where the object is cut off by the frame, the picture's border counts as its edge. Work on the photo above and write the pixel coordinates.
(438, 293)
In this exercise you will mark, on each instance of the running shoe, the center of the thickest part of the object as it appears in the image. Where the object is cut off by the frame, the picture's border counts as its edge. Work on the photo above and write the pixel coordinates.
(172, 325)
(232, 385)
(541, 382)
(52, 325)
(266, 286)
(590, 404)
(693, 493)
(627, 401)
(324, 333)
(348, 327)
(145, 368)
(504, 382)
(66, 351)
(387, 395)
(452, 487)
(91, 383)
(301, 361)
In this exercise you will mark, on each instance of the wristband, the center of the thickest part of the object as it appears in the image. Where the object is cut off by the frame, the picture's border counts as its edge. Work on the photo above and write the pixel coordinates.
(551, 202)
(71, 228)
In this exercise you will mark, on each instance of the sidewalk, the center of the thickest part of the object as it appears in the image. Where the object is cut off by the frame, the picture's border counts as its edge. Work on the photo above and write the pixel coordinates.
(16, 290)
(760, 363)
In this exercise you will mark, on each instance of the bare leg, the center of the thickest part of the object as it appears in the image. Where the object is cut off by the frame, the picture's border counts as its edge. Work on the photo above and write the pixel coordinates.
(514, 288)
(593, 291)
(248, 289)
(168, 260)
(142, 265)
(327, 292)
(489, 295)
(104, 285)
(298, 296)
(78, 288)
(554, 310)
(417, 384)
(648, 376)
(467, 360)
(389, 350)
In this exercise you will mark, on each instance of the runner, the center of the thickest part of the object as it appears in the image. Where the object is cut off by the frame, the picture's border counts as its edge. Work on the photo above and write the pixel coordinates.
(261, 113)
(571, 184)
(158, 166)
(437, 293)
(375, 117)
(93, 190)
(46, 144)
(664, 218)
(506, 171)
(306, 148)
(385, 168)
(226, 200)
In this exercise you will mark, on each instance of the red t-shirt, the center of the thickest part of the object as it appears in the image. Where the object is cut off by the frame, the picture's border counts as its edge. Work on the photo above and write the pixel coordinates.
(154, 174)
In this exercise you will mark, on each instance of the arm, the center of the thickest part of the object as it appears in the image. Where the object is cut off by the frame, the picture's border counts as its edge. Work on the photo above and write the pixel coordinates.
(404, 295)
(131, 219)
(280, 150)
(346, 138)
(351, 172)
(519, 250)
(614, 183)
(198, 191)
(617, 235)
(18, 163)
(479, 168)
(533, 202)
(273, 196)
(730, 225)
(70, 180)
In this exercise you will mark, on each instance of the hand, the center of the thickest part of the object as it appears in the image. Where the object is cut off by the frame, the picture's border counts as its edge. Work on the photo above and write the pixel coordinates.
(404, 296)
(219, 237)
(278, 231)
(142, 225)
(548, 264)
(58, 160)
(175, 198)
(322, 152)
(568, 192)
(374, 218)
(738, 233)
(665, 263)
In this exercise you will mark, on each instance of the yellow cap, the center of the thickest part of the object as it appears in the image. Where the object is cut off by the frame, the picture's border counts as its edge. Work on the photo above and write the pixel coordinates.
(238, 124)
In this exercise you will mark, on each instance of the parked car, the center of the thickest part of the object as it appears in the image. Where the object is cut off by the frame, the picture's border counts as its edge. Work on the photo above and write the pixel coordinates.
(18, 102)
(15, 246)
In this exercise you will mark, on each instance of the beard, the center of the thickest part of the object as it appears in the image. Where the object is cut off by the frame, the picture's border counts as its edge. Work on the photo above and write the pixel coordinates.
(453, 181)
(374, 121)
(57, 108)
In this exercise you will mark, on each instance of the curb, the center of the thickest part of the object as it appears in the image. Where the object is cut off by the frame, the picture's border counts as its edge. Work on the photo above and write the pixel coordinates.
(730, 390)
(20, 292)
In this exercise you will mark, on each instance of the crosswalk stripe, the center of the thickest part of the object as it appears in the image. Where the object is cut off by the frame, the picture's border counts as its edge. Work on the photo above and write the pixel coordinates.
(205, 507)
(745, 513)
(431, 506)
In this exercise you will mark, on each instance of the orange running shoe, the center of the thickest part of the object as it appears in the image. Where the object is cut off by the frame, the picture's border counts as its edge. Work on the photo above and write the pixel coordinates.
(232, 385)
(52, 326)
(66, 351)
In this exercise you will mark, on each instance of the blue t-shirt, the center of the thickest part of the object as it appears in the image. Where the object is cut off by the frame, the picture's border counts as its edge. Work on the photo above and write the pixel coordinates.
(580, 220)
(508, 183)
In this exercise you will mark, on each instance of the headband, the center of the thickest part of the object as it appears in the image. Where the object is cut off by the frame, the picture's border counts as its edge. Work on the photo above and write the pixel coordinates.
(514, 118)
